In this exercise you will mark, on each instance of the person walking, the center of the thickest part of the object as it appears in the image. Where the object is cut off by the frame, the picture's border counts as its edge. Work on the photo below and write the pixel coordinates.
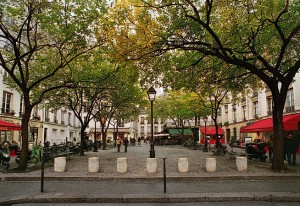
(291, 147)
(125, 144)
(118, 142)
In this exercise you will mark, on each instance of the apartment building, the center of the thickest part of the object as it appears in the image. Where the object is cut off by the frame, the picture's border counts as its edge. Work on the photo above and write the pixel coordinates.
(55, 126)
(254, 107)
(143, 126)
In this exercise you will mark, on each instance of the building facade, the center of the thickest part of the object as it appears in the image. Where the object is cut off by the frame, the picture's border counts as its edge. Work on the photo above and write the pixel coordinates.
(142, 126)
(55, 126)
(254, 107)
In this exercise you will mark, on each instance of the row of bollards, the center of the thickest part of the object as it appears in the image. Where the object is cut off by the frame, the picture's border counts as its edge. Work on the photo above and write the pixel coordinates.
(241, 164)
(151, 164)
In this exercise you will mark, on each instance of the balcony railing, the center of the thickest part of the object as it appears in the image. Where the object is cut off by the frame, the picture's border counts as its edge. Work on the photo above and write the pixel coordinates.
(36, 117)
(7, 112)
(290, 108)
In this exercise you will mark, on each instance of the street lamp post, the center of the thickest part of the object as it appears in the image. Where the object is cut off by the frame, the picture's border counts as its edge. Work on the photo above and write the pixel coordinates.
(95, 137)
(205, 149)
(102, 120)
(151, 95)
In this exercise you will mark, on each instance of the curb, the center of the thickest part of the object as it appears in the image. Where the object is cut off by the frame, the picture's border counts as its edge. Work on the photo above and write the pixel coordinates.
(152, 198)
(130, 179)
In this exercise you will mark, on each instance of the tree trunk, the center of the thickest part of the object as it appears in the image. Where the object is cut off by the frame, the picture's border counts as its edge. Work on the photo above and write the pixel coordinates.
(25, 133)
(278, 132)
(215, 118)
(103, 140)
(82, 140)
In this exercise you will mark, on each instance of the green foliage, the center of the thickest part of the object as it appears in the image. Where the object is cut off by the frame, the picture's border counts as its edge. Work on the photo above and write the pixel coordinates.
(39, 40)
(179, 106)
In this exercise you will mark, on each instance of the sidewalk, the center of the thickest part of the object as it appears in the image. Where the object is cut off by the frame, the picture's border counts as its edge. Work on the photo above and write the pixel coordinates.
(77, 166)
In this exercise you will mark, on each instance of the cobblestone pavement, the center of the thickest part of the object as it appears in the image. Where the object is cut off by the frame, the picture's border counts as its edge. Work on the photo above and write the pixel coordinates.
(77, 166)
(77, 169)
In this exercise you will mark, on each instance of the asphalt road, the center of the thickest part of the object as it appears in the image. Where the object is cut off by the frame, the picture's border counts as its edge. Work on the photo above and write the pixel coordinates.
(13, 189)
(173, 204)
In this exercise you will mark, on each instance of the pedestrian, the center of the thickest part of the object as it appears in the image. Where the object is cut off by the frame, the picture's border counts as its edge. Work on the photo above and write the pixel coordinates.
(118, 142)
(125, 144)
(270, 147)
(291, 147)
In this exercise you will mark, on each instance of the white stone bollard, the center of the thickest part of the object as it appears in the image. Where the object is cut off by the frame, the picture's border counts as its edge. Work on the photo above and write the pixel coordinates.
(183, 165)
(60, 164)
(122, 165)
(211, 165)
(241, 164)
(94, 164)
(151, 165)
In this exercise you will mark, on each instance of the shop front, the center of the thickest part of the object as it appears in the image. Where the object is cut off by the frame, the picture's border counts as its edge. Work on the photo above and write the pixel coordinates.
(6, 131)
(210, 133)
(262, 129)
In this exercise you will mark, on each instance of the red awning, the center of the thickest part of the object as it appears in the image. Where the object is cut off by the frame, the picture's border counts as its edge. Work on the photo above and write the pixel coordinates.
(4, 126)
(211, 130)
(290, 122)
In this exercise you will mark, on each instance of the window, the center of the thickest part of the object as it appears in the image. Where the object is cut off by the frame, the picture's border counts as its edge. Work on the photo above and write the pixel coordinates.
(21, 105)
(142, 130)
(234, 114)
(6, 136)
(62, 117)
(6, 102)
(142, 120)
(255, 109)
(289, 102)
(226, 113)
(244, 112)
(55, 116)
(270, 105)
(47, 118)
(33, 134)
(155, 128)
(290, 98)
(35, 113)
(69, 118)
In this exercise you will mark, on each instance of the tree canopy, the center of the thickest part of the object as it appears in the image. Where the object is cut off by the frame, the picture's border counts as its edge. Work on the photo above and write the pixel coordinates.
(254, 37)
(38, 40)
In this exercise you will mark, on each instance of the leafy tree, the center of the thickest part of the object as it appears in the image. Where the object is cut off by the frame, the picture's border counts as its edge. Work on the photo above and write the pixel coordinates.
(39, 39)
(179, 106)
(122, 99)
(257, 37)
